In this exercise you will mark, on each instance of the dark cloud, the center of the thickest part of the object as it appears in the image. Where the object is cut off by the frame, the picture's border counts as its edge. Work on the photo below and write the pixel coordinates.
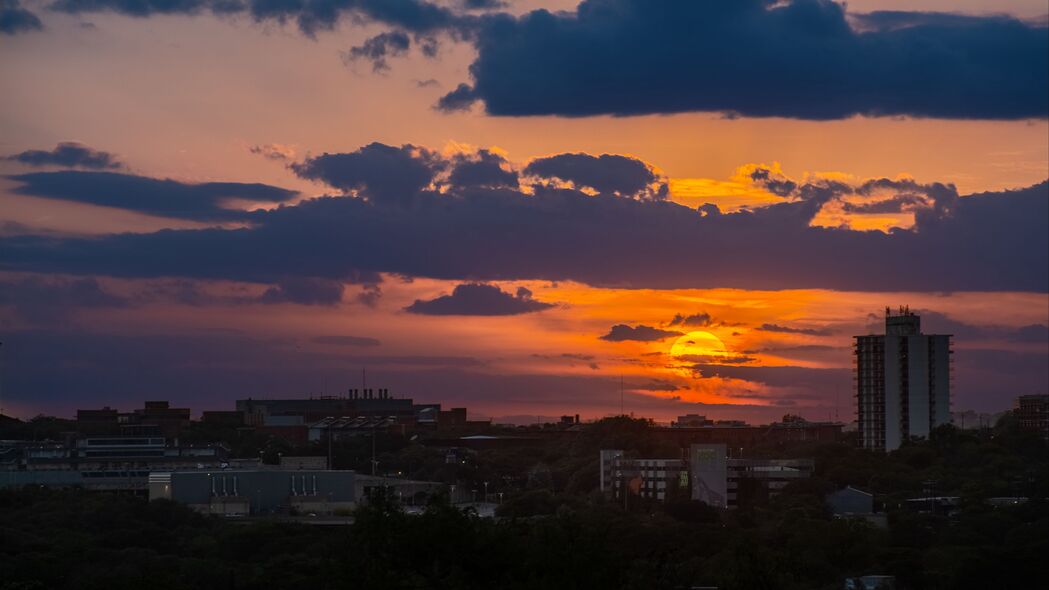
(607, 174)
(481, 300)
(139, 8)
(696, 320)
(571, 358)
(934, 322)
(347, 340)
(70, 155)
(311, 16)
(715, 359)
(792, 330)
(625, 57)
(484, 4)
(821, 380)
(1032, 333)
(460, 99)
(993, 241)
(807, 352)
(304, 291)
(639, 333)
(273, 151)
(760, 58)
(14, 19)
(775, 183)
(45, 301)
(381, 173)
(895, 204)
(884, 195)
(376, 49)
(165, 198)
(655, 385)
(482, 169)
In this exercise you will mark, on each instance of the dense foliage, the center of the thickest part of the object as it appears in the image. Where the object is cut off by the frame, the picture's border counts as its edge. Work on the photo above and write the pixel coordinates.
(556, 531)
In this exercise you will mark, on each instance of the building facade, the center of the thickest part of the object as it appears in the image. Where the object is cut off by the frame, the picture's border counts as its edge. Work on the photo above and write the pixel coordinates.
(903, 382)
(707, 475)
(723, 482)
(646, 478)
(1032, 412)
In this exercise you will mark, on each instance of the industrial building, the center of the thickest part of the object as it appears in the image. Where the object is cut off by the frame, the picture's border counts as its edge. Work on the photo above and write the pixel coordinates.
(903, 382)
(154, 417)
(117, 463)
(294, 417)
(237, 492)
(242, 493)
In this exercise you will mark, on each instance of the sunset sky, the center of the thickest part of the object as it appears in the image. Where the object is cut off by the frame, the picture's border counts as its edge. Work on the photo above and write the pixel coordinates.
(521, 207)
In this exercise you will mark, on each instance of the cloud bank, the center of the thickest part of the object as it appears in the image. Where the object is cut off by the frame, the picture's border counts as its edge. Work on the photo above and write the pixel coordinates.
(479, 300)
(758, 58)
(401, 212)
(803, 59)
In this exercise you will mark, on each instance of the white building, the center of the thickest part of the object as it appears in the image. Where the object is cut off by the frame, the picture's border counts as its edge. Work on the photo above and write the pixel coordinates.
(903, 382)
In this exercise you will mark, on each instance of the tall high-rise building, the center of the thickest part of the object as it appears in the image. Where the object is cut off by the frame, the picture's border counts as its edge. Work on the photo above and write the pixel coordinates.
(903, 382)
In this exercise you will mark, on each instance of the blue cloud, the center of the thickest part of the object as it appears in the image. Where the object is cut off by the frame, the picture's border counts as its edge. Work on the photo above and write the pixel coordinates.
(167, 198)
(799, 59)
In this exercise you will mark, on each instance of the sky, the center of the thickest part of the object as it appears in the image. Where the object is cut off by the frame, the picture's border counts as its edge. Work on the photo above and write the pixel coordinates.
(526, 208)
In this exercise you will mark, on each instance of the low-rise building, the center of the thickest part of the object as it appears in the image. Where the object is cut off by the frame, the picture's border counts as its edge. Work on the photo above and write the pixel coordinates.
(271, 491)
(691, 421)
(850, 500)
(708, 475)
(244, 492)
(647, 478)
(1032, 412)
(720, 481)
(108, 462)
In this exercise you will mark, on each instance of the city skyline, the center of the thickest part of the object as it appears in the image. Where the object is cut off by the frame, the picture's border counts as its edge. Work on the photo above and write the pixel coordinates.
(206, 201)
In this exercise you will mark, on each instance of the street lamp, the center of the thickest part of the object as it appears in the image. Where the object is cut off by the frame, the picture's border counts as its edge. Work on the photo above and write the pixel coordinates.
(486, 492)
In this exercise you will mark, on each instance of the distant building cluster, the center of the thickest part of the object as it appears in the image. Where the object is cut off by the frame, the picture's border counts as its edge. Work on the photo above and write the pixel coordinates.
(142, 451)
(707, 474)
(360, 412)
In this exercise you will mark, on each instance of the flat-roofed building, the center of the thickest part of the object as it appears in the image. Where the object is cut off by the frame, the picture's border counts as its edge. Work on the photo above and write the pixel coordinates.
(721, 481)
(1032, 412)
(647, 478)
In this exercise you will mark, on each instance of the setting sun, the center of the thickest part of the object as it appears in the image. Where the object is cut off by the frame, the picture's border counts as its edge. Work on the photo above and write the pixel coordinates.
(698, 343)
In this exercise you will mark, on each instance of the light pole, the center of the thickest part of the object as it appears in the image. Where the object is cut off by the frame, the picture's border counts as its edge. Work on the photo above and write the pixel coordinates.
(486, 492)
